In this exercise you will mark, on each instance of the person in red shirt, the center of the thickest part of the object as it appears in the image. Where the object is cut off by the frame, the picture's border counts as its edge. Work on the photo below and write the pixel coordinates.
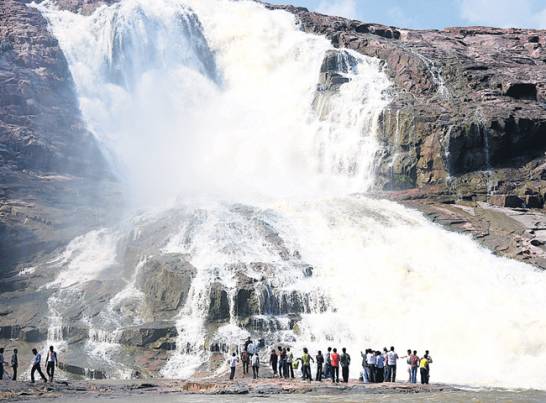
(334, 360)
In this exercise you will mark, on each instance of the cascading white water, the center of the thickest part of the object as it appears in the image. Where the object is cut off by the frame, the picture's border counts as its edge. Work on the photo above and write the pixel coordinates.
(215, 102)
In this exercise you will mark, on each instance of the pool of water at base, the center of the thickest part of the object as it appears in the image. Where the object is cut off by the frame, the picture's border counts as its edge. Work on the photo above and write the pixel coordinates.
(477, 395)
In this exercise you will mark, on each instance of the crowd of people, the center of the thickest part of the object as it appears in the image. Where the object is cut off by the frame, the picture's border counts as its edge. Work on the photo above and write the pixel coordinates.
(36, 364)
(377, 366)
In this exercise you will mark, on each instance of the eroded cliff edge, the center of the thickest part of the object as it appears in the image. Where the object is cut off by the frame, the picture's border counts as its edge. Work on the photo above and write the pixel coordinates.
(464, 138)
(55, 182)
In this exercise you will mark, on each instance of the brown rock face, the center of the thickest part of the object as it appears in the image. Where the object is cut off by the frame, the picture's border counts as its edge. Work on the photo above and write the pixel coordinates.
(465, 100)
(50, 166)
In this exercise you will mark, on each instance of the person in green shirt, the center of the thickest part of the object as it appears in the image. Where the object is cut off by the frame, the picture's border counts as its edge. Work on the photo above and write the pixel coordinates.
(306, 364)
(345, 361)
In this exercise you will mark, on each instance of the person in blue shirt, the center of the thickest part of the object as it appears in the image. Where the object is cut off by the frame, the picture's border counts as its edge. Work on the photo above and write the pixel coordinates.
(36, 366)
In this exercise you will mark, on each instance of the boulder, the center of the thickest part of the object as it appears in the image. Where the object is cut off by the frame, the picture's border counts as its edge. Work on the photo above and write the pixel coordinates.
(511, 201)
(144, 335)
(534, 201)
(165, 281)
(219, 303)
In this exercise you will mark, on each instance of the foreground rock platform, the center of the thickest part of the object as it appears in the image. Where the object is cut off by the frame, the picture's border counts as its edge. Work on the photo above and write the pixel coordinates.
(18, 391)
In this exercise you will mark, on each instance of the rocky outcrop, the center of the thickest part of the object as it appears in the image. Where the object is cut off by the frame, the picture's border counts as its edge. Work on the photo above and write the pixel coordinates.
(54, 178)
(165, 281)
(465, 101)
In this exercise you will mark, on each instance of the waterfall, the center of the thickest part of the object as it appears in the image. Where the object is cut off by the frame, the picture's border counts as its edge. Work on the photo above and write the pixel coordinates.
(245, 168)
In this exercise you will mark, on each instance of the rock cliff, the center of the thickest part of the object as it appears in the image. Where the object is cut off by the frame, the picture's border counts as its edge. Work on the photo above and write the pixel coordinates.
(468, 111)
(466, 126)
(51, 168)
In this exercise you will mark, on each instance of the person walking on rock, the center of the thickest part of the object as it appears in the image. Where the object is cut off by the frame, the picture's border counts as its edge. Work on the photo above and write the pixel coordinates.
(290, 361)
(334, 362)
(255, 361)
(233, 360)
(320, 363)
(345, 362)
(306, 364)
(36, 366)
(328, 364)
(379, 367)
(392, 357)
(273, 360)
(51, 363)
(14, 364)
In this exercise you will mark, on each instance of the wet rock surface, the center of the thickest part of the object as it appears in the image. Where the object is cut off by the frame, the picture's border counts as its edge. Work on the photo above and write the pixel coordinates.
(51, 168)
(165, 281)
(17, 391)
(501, 225)
(465, 100)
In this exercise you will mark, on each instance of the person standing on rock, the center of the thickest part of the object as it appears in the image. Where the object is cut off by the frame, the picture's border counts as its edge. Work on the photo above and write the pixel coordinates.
(365, 377)
(423, 369)
(379, 367)
(320, 363)
(233, 365)
(255, 361)
(245, 359)
(51, 362)
(273, 359)
(386, 372)
(2, 363)
(392, 357)
(290, 361)
(429, 359)
(14, 364)
(334, 362)
(408, 358)
(281, 362)
(345, 362)
(36, 366)
(251, 348)
(371, 361)
(328, 363)
(284, 358)
(248, 342)
(414, 364)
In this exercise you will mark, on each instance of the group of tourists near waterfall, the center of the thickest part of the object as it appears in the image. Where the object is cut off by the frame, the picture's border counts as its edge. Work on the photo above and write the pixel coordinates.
(35, 364)
(377, 366)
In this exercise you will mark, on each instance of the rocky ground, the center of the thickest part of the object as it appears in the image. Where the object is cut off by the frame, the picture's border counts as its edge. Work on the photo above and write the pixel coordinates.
(19, 391)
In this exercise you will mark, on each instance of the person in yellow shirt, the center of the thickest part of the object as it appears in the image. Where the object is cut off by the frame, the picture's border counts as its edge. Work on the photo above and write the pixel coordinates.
(423, 369)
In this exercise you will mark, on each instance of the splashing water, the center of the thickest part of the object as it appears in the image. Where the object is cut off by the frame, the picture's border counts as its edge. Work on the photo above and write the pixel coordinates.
(216, 103)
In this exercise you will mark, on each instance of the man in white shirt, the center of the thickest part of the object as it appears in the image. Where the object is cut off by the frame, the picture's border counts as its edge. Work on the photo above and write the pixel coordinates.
(36, 366)
(233, 360)
(255, 361)
(391, 363)
(370, 365)
(51, 363)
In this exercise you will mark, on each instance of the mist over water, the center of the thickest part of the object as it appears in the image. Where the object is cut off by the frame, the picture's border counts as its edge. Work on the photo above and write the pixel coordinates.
(212, 108)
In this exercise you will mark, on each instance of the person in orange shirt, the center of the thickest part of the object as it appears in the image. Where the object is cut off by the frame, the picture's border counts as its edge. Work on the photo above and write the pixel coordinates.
(334, 362)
